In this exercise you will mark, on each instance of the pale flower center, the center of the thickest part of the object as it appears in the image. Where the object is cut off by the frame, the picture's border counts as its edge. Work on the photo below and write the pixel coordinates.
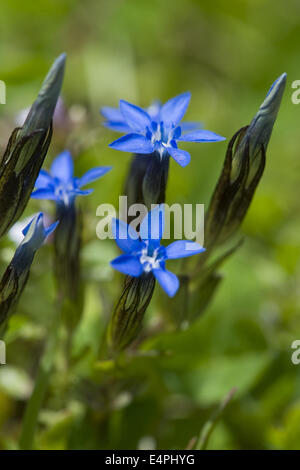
(149, 262)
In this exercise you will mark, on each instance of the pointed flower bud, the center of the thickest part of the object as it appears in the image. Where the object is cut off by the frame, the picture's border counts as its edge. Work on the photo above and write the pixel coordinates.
(27, 149)
(127, 318)
(260, 129)
(16, 274)
(243, 168)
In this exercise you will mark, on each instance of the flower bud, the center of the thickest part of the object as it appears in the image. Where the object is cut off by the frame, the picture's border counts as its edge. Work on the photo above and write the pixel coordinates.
(147, 179)
(16, 274)
(127, 318)
(243, 168)
(27, 148)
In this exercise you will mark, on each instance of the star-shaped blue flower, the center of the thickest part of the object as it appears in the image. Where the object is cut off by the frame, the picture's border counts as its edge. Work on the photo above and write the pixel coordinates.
(143, 252)
(161, 133)
(60, 185)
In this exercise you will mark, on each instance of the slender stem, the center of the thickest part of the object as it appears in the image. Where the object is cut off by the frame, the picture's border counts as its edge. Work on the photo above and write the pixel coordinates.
(210, 425)
(41, 384)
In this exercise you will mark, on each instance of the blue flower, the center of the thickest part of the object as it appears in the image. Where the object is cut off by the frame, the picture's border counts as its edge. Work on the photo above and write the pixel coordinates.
(35, 234)
(117, 122)
(161, 133)
(60, 185)
(143, 253)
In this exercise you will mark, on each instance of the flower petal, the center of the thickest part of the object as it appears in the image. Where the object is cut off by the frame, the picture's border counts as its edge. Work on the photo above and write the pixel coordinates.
(190, 125)
(154, 110)
(134, 143)
(126, 237)
(62, 167)
(81, 192)
(92, 175)
(34, 234)
(44, 193)
(168, 281)
(127, 264)
(117, 126)
(112, 114)
(51, 228)
(152, 226)
(182, 249)
(180, 156)
(173, 110)
(201, 135)
(27, 227)
(44, 180)
(135, 117)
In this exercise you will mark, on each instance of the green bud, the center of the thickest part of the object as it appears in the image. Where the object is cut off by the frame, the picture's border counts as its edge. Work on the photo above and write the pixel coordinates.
(27, 148)
(243, 168)
(147, 180)
(127, 318)
(15, 277)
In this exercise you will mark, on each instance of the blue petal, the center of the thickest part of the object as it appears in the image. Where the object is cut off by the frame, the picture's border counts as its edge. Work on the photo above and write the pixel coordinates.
(35, 233)
(173, 110)
(82, 192)
(127, 264)
(168, 281)
(201, 135)
(51, 228)
(112, 114)
(92, 175)
(180, 156)
(62, 167)
(152, 226)
(154, 110)
(182, 249)
(44, 193)
(44, 180)
(190, 126)
(25, 229)
(135, 117)
(134, 143)
(126, 237)
(117, 126)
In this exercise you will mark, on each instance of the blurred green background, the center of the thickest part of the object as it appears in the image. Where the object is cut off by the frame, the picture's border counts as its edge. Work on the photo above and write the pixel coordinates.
(227, 54)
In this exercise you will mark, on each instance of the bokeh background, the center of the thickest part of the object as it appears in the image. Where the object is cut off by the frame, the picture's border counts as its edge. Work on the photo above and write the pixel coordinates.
(227, 54)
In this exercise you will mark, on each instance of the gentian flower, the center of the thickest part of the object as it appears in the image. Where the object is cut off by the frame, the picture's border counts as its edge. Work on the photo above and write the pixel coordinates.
(161, 134)
(143, 253)
(16, 274)
(60, 185)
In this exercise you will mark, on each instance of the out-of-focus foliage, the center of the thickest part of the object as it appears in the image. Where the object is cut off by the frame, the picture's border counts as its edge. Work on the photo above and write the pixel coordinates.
(227, 54)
